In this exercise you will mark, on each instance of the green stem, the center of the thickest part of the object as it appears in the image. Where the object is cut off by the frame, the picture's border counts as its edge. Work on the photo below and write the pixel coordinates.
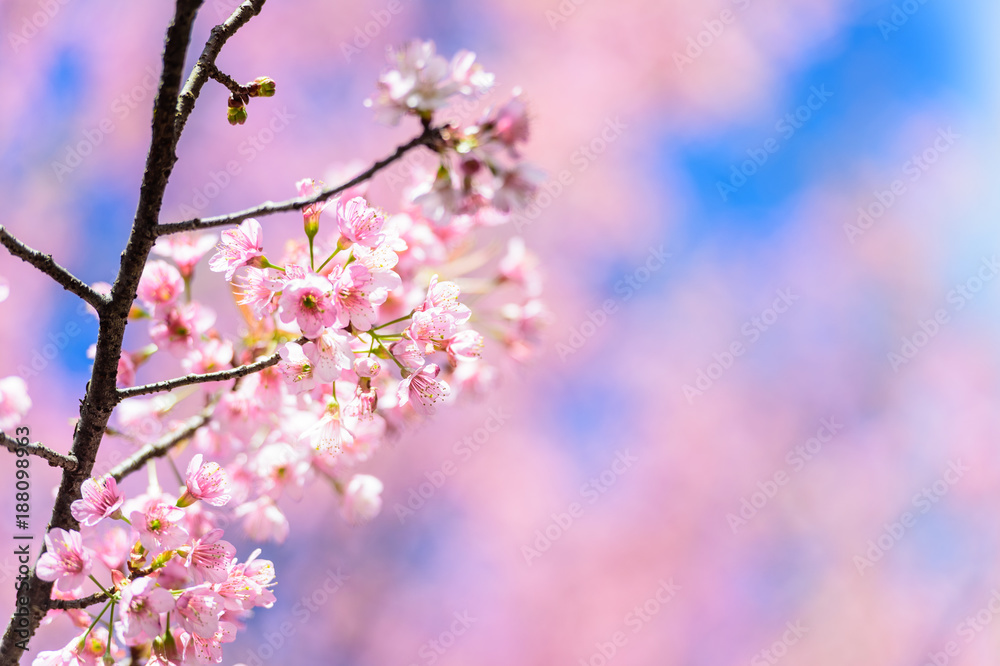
(94, 623)
(91, 576)
(394, 321)
(335, 253)
(312, 260)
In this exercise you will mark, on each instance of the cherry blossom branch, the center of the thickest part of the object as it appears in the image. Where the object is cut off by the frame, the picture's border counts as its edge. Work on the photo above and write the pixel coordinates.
(430, 137)
(205, 67)
(222, 375)
(82, 602)
(102, 393)
(54, 458)
(47, 265)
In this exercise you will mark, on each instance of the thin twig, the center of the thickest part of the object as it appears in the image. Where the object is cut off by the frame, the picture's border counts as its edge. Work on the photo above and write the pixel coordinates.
(222, 375)
(206, 62)
(164, 444)
(47, 265)
(83, 602)
(429, 137)
(54, 458)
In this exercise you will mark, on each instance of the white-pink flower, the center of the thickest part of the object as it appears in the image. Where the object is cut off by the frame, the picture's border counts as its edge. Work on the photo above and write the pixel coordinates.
(308, 303)
(330, 355)
(101, 499)
(78, 652)
(159, 526)
(356, 293)
(198, 610)
(160, 285)
(243, 246)
(4, 289)
(210, 557)
(444, 297)
(208, 650)
(186, 249)
(180, 328)
(360, 223)
(430, 328)
(205, 481)
(327, 435)
(258, 288)
(296, 367)
(422, 389)
(141, 605)
(262, 520)
(14, 402)
(465, 345)
(66, 560)
(362, 499)
(247, 585)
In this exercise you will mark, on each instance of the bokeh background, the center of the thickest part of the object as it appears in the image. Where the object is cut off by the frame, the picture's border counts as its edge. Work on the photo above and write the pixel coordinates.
(683, 127)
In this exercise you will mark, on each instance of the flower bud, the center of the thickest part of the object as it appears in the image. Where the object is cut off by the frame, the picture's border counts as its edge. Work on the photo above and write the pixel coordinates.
(262, 86)
(237, 115)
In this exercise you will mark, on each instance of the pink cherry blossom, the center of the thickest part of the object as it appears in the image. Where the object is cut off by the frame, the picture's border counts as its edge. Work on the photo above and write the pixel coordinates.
(408, 353)
(510, 125)
(258, 289)
(520, 266)
(186, 249)
(243, 246)
(330, 355)
(181, 327)
(431, 328)
(87, 649)
(310, 188)
(142, 602)
(247, 585)
(296, 367)
(308, 302)
(159, 526)
(326, 436)
(209, 557)
(362, 499)
(205, 481)
(211, 355)
(356, 291)
(208, 650)
(444, 297)
(465, 345)
(263, 520)
(360, 223)
(198, 610)
(14, 402)
(160, 285)
(517, 187)
(101, 499)
(66, 560)
(4, 289)
(422, 389)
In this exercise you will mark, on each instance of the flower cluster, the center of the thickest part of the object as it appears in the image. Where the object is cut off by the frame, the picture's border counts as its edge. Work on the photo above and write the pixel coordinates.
(176, 584)
(366, 326)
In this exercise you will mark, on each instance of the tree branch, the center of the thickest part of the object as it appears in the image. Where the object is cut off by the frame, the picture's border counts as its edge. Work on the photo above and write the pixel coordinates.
(430, 137)
(163, 445)
(54, 458)
(222, 375)
(83, 602)
(102, 393)
(47, 265)
(205, 66)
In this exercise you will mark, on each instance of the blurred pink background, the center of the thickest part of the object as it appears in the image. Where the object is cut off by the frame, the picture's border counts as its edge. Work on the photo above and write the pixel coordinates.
(652, 497)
